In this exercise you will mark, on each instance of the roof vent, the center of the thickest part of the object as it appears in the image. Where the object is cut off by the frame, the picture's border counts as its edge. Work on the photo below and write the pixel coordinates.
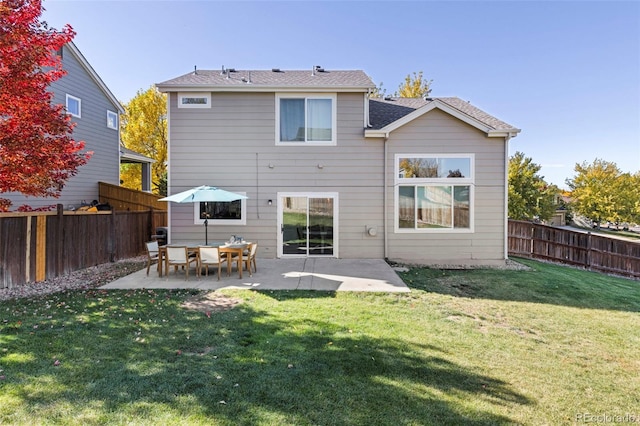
(195, 70)
(275, 70)
(388, 98)
(245, 80)
(316, 68)
(223, 71)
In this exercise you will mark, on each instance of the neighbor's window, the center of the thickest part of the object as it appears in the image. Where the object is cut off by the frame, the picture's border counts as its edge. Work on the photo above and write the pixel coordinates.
(194, 100)
(306, 119)
(221, 213)
(73, 106)
(112, 120)
(434, 193)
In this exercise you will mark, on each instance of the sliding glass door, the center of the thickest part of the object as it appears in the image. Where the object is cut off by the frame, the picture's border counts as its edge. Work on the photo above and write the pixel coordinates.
(307, 224)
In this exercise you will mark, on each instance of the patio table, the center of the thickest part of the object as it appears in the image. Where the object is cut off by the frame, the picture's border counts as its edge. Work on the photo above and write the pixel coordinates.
(231, 250)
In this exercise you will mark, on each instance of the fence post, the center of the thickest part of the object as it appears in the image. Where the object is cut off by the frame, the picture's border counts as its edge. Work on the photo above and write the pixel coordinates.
(588, 250)
(60, 239)
(152, 223)
(112, 236)
(532, 235)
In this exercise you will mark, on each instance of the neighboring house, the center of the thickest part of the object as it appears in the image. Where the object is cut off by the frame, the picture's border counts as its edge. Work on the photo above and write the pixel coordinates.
(96, 112)
(128, 156)
(331, 172)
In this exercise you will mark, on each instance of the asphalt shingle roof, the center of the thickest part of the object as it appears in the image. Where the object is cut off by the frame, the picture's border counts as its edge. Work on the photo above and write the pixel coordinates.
(270, 78)
(384, 111)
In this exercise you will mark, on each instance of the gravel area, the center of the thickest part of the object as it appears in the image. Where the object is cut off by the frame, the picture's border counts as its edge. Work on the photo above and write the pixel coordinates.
(93, 277)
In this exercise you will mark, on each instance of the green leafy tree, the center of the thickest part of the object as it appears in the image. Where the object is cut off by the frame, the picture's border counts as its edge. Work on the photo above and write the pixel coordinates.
(627, 198)
(595, 190)
(144, 130)
(530, 197)
(414, 87)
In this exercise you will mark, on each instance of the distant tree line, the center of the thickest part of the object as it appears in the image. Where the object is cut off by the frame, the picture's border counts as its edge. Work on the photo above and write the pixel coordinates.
(599, 191)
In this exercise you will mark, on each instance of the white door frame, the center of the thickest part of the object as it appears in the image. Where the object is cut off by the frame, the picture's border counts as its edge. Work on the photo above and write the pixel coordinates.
(281, 195)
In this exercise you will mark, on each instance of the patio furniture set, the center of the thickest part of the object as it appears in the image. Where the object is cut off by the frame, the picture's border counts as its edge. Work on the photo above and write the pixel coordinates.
(202, 256)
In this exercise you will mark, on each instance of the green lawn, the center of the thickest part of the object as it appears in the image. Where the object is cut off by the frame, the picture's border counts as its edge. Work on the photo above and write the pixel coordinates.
(464, 347)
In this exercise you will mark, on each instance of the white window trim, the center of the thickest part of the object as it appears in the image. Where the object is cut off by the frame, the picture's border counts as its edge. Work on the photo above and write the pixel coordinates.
(205, 95)
(116, 120)
(305, 96)
(241, 221)
(470, 182)
(79, 114)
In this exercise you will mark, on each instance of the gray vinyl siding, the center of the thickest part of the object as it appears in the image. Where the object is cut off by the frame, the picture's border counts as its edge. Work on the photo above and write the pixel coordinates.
(232, 145)
(439, 133)
(91, 127)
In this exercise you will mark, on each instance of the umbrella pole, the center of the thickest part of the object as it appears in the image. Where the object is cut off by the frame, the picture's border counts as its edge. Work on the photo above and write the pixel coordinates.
(206, 236)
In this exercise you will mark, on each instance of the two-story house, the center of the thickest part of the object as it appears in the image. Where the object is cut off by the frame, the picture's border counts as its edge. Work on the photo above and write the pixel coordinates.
(96, 112)
(330, 171)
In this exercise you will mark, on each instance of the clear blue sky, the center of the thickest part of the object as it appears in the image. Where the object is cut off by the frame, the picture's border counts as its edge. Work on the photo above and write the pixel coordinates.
(566, 73)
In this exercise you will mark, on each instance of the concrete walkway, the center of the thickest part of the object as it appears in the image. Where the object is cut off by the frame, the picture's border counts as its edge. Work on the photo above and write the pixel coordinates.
(327, 274)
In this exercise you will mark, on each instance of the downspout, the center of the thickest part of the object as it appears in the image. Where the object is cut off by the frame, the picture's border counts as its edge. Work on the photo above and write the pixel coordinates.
(506, 196)
(367, 124)
(384, 202)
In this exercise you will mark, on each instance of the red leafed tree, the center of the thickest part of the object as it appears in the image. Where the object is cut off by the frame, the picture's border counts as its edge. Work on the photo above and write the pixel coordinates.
(37, 151)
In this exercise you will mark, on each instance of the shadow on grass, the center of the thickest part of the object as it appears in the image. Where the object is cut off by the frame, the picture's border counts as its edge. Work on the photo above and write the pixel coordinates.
(543, 283)
(242, 366)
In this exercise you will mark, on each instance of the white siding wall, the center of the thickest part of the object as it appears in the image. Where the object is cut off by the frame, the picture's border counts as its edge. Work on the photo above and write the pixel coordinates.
(104, 165)
(439, 133)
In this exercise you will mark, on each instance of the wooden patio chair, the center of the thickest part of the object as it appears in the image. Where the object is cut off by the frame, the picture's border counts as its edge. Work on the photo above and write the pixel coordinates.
(208, 256)
(249, 257)
(179, 256)
(152, 254)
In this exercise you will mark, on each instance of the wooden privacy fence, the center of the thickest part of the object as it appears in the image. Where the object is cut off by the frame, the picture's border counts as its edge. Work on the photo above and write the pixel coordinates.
(36, 246)
(121, 198)
(583, 249)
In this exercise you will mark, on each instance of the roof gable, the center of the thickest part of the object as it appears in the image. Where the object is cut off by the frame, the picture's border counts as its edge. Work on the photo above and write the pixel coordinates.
(388, 114)
(94, 76)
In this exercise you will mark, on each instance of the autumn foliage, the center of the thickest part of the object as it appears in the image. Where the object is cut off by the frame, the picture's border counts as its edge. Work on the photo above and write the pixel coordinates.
(37, 151)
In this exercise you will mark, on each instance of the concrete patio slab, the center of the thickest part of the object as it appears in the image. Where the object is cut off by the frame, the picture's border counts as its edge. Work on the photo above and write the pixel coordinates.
(325, 274)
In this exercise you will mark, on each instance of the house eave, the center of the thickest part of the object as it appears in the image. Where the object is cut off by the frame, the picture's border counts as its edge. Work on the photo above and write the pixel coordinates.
(254, 88)
(131, 157)
(511, 133)
(94, 76)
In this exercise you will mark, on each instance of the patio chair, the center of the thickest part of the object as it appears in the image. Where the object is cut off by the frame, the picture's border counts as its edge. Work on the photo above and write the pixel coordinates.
(209, 256)
(152, 254)
(249, 257)
(179, 256)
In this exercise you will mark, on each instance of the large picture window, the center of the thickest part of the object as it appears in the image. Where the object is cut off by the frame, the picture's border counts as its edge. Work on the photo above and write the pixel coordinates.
(434, 193)
(305, 119)
(221, 213)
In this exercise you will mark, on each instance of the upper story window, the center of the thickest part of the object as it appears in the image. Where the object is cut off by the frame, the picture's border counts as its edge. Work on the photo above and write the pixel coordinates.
(194, 100)
(305, 119)
(112, 120)
(434, 193)
(74, 105)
